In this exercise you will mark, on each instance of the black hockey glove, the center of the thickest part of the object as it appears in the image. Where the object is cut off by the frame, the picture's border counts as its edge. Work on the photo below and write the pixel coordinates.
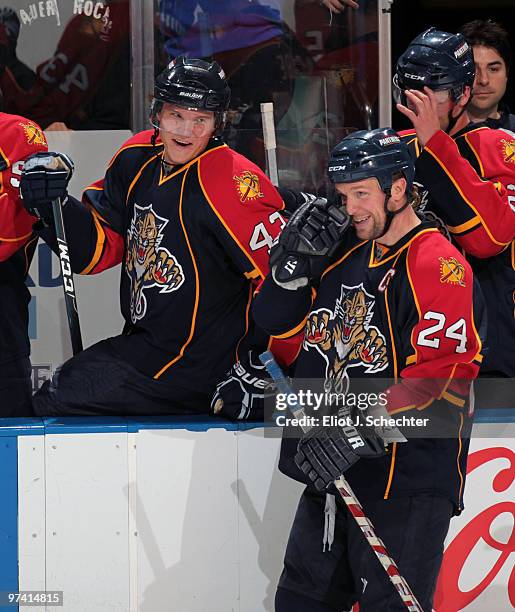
(294, 200)
(241, 395)
(45, 177)
(325, 453)
(307, 243)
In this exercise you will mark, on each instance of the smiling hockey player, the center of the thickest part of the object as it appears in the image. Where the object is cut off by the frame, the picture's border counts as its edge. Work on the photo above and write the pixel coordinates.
(386, 297)
(191, 221)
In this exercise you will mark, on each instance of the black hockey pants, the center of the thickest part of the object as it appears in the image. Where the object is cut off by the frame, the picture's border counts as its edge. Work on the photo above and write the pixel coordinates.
(99, 382)
(413, 530)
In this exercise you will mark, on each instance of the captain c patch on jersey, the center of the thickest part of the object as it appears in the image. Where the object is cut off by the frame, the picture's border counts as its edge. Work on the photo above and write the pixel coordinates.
(345, 338)
(148, 264)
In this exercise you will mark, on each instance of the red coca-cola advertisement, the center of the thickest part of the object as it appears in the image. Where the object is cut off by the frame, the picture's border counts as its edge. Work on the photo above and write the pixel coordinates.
(478, 569)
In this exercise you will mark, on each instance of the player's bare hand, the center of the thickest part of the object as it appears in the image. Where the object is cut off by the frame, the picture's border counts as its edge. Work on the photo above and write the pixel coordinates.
(317, 331)
(167, 272)
(58, 126)
(422, 111)
(337, 6)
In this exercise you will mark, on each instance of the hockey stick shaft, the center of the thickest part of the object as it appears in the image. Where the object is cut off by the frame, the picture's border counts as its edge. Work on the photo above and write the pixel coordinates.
(70, 299)
(267, 116)
(350, 499)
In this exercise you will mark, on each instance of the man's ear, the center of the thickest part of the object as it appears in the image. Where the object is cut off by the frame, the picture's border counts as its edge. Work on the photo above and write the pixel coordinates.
(464, 100)
(398, 190)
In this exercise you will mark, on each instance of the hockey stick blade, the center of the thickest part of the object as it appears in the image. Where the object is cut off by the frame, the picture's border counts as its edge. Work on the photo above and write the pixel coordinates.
(350, 499)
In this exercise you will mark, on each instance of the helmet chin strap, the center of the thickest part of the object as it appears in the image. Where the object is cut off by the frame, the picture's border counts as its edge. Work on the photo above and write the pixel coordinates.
(390, 214)
(454, 120)
(153, 140)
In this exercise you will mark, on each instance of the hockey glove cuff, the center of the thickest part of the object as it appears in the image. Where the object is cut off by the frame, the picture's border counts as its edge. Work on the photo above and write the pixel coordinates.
(325, 453)
(44, 178)
(241, 395)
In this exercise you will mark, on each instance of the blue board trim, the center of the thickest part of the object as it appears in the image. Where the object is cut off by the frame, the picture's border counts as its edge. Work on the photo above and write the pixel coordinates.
(495, 415)
(21, 427)
(189, 422)
(9, 517)
(97, 424)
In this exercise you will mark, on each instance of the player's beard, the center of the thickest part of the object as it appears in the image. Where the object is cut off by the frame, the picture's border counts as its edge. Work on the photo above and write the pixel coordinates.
(372, 229)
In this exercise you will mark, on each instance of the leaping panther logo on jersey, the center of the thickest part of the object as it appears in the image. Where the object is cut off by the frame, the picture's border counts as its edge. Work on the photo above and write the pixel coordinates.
(345, 338)
(147, 263)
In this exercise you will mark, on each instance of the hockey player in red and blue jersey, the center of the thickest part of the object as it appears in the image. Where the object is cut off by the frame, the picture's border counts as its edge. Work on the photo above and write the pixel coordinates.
(192, 222)
(467, 172)
(19, 138)
(384, 296)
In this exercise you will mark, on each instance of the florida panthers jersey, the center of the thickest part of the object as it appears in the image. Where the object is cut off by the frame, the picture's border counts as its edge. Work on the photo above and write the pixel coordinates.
(19, 138)
(191, 242)
(469, 182)
(410, 314)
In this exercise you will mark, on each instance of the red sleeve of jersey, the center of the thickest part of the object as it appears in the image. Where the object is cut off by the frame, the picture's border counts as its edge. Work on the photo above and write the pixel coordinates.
(248, 209)
(444, 339)
(19, 138)
(102, 201)
(109, 245)
(480, 208)
(247, 205)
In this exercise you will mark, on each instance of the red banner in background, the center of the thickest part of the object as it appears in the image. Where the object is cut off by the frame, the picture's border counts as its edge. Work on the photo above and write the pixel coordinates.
(477, 533)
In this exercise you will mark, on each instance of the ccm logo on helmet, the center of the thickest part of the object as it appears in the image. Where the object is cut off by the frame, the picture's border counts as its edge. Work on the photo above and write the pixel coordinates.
(461, 50)
(390, 140)
(414, 77)
(333, 168)
(190, 94)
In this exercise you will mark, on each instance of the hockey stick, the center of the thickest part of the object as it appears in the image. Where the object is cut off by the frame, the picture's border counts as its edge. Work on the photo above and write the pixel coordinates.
(350, 499)
(267, 117)
(68, 285)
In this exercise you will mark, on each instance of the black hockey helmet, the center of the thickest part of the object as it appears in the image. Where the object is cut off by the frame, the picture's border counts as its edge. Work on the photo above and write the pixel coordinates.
(435, 59)
(377, 153)
(195, 84)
